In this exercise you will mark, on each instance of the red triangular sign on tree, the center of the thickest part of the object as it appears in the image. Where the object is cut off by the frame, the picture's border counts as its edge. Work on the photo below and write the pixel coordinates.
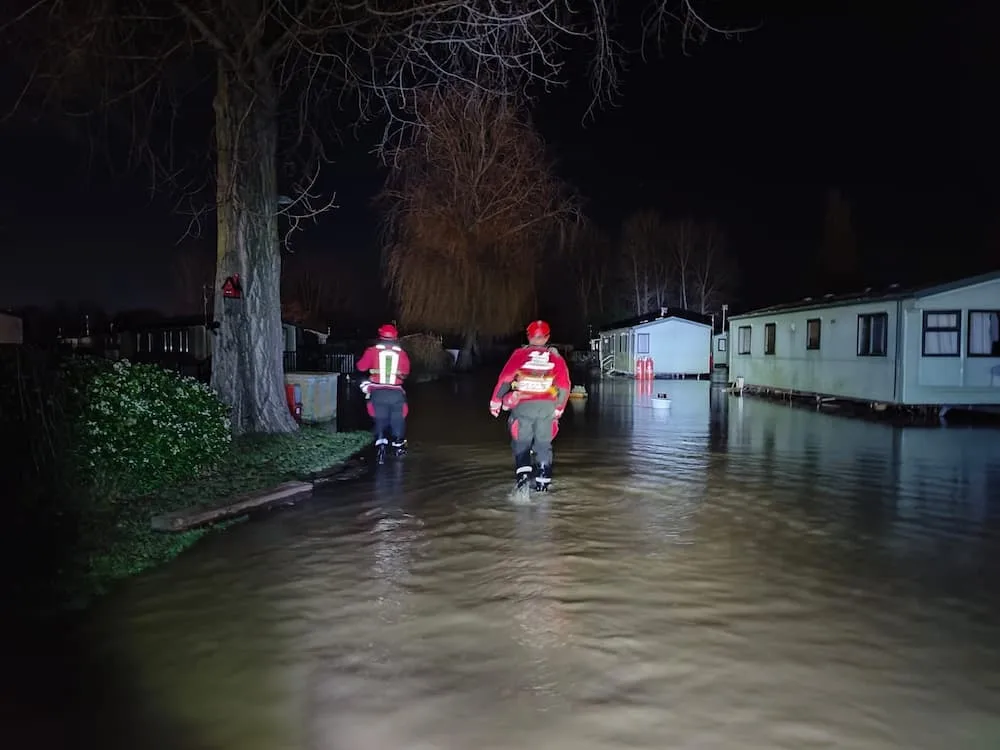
(231, 288)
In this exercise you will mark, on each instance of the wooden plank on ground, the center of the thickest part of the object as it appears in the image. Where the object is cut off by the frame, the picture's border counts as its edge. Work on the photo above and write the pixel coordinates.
(283, 494)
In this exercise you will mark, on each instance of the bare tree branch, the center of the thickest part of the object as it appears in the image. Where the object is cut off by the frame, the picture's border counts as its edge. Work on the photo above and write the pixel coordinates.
(704, 273)
(680, 263)
(134, 65)
(694, 23)
(712, 272)
(260, 81)
(193, 275)
(646, 263)
(589, 262)
(681, 245)
(315, 289)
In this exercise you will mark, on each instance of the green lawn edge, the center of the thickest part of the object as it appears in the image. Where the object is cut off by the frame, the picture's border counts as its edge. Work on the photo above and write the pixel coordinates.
(119, 542)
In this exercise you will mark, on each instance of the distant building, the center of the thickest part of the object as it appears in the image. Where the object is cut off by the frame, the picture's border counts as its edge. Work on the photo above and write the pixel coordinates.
(85, 336)
(928, 346)
(11, 329)
(720, 350)
(185, 344)
(678, 341)
(178, 338)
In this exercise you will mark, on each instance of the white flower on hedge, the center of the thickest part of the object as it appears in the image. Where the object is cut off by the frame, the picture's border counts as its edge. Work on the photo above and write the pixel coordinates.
(143, 415)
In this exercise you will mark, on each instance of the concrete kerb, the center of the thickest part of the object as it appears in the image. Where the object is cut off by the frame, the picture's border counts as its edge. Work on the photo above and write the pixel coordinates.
(282, 495)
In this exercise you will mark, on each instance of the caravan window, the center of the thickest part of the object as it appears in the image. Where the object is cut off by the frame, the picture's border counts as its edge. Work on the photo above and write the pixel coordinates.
(984, 333)
(642, 343)
(743, 339)
(770, 334)
(942, 332)
(873, 334)
(813, 329)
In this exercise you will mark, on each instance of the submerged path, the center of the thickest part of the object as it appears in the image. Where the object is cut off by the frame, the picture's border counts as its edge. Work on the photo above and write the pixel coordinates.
(728, 574)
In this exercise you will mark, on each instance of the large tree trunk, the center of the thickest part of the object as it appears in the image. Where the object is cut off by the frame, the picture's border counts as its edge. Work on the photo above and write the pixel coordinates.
(247, 367)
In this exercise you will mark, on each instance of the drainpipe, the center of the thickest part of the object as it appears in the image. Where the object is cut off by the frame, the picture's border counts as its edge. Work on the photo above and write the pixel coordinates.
(899, 352)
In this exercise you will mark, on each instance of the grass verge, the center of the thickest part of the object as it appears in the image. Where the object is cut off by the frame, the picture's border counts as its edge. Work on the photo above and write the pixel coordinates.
(117, 541)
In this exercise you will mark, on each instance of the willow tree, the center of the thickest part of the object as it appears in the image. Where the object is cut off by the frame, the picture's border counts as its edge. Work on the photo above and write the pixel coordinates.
(260, 81)
(471, 205)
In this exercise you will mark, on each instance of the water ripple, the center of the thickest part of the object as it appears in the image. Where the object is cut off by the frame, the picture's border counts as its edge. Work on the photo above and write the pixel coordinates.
(730, 574)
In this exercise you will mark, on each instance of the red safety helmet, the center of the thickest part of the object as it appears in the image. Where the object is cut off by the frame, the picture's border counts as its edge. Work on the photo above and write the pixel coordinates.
(538, 328)
(388, 331)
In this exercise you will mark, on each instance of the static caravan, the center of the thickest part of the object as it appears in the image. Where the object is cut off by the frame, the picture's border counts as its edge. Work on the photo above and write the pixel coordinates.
(678, 341)
(929, 346)
(720, 350)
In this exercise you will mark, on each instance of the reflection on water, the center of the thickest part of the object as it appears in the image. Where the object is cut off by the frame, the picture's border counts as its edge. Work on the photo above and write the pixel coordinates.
(728, 573)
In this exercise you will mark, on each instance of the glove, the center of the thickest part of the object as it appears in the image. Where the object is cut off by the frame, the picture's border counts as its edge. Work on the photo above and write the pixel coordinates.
(364, 386)
(509, 401)
(495, 408)
(558, 413)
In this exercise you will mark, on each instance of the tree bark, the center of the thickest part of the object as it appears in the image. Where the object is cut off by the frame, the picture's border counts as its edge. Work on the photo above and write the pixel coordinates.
(247, 366)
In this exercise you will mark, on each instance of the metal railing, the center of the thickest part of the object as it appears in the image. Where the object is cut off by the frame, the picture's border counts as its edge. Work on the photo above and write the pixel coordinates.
(317, 362)
(339, 362)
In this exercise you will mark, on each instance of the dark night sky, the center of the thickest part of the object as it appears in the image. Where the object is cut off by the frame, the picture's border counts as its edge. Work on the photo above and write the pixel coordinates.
(895, 109)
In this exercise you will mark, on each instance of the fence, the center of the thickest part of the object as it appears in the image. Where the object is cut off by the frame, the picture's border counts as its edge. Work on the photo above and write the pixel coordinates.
(318, 362)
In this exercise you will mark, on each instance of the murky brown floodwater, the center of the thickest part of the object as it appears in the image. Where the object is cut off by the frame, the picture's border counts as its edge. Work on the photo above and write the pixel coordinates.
(731, 574)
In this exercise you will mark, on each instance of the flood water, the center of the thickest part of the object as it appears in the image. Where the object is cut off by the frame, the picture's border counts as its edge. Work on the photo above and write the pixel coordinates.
(728, 573)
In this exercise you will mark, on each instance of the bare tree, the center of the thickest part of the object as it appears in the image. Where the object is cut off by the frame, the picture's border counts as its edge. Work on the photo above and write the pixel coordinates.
(589, 255)
(273, 70)
(712, 271)
(314, 288)
(470, 208)
(193, 275)
(301, 298)
(703, 270)
(839, 251)
(646, 264)
(682, 244)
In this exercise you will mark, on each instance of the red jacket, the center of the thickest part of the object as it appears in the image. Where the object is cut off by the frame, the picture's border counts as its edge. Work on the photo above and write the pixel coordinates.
(386, 363)
(535, 372)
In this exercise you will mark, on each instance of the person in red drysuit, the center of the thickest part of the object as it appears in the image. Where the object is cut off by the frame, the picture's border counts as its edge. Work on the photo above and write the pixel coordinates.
(534, 386)
(387, 365)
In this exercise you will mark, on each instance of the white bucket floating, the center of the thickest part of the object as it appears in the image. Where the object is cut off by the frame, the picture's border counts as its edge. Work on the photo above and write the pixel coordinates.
(661, 401)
